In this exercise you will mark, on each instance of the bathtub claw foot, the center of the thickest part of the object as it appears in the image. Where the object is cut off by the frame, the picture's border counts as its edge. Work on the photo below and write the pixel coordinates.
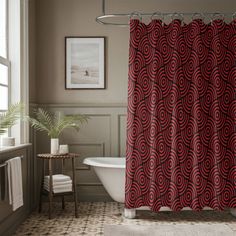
(233, 211)
(130, 213)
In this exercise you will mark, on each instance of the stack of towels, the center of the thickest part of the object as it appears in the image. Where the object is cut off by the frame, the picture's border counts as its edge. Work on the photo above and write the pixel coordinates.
(60, 183)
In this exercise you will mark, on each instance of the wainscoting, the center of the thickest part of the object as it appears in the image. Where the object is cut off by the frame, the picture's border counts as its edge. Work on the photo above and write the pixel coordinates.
(10, 220)
(103, 136)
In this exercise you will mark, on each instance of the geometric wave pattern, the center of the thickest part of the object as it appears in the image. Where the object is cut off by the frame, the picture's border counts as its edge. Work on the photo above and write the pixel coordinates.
(181, 124)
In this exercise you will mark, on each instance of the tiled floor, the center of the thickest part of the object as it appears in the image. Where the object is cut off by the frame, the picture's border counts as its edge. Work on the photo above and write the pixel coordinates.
(93, 217)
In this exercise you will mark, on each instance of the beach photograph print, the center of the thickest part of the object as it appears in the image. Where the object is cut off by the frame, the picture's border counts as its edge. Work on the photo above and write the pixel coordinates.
(85, 63)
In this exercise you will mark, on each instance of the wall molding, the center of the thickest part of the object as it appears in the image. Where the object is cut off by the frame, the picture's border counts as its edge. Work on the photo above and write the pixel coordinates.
(102, 148)
(119, 133)
(82, 105)
(105, 137)
(89, 184)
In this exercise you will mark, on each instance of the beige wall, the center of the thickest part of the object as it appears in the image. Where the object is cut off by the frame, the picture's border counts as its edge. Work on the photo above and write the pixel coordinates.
(56, 19)
(32, 51)
(105, 133)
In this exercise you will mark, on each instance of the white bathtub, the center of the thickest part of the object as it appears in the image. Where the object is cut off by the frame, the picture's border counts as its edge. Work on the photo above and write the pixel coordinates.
(111, 172)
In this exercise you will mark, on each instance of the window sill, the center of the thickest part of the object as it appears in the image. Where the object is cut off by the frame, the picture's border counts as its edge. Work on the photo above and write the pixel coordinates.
(13, 148)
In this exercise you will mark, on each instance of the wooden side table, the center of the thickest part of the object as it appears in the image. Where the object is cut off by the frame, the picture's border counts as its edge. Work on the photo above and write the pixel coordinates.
(50, 158)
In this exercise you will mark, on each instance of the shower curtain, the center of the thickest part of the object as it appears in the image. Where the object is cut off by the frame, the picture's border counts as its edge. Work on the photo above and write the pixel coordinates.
(181, 138)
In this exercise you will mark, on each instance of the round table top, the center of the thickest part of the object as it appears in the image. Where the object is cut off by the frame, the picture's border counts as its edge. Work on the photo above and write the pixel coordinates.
(57, 156)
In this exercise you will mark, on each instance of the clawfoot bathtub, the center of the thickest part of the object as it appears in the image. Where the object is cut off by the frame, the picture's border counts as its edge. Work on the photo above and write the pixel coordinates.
(111, 172)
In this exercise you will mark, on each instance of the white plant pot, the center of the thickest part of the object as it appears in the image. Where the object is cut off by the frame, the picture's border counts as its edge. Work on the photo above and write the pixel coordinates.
(54, 145)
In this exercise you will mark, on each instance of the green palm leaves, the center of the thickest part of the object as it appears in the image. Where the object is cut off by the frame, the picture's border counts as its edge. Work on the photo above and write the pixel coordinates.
(45, 121)
(9, 118)
(54, 124)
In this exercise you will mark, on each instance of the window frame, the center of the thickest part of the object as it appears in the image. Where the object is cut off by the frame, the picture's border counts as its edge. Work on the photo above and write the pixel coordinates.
(17, 61)
(5, 61)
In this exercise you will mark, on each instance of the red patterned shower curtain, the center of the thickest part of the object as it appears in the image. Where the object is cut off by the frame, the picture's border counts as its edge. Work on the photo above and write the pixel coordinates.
(181, 137)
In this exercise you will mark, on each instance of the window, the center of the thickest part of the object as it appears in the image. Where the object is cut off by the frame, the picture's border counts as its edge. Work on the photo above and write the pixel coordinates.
(4, 61)
(14, 61)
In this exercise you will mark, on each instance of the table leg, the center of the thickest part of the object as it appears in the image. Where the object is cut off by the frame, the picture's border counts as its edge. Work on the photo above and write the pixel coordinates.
(41, 188)
(63, 202)
(74, 187)
(50, 187)
(62, 166)
(62, 197)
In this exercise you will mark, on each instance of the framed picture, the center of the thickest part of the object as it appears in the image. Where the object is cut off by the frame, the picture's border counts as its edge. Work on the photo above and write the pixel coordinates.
(85, 62)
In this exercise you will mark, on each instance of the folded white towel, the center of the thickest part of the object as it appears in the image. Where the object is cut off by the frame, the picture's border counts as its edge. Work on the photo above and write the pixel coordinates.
(58, 178)
(60, 190)
(14, 173)
(58, 187)
(58, 183)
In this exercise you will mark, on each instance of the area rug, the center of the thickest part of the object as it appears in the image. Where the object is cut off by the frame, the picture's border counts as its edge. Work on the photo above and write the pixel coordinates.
(169, 230)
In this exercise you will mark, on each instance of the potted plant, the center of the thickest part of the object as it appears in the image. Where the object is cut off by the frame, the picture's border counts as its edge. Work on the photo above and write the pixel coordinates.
(7, 120)
(53, 124)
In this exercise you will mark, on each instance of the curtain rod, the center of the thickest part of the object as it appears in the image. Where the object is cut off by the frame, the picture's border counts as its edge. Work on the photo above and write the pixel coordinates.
(177, 15)
(211, 16)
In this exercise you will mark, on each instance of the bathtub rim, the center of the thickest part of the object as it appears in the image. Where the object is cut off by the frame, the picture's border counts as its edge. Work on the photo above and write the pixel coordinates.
(105, 162)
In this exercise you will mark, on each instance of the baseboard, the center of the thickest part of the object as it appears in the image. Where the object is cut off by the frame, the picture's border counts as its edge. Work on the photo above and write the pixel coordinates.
(93, 194)
(12, 222)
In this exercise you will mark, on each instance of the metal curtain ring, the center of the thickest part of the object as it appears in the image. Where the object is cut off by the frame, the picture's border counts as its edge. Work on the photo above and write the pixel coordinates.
(198, 15)
(135, 13)
(178, 15)
(234, 16)
(208, 18)
(158, 14)
(217, 15)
